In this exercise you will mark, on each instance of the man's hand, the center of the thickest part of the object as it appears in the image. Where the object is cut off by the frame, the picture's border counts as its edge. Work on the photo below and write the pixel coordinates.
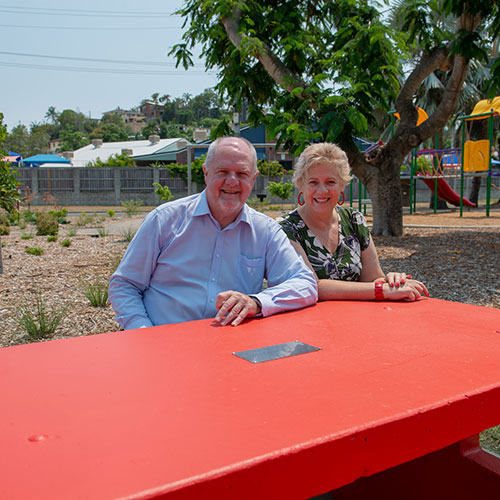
(234, 307)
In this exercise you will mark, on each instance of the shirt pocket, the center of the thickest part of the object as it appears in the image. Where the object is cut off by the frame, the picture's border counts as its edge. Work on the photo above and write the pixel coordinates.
(252, 272)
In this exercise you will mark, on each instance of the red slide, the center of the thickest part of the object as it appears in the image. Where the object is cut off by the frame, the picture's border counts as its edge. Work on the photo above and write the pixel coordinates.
(446, 192)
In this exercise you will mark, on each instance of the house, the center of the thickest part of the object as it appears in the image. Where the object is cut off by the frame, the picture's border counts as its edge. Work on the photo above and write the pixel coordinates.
(152, 110)
(135, 120)
(138, 150)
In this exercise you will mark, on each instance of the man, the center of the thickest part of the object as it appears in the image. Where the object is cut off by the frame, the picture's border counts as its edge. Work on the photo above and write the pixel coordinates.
(206, 255)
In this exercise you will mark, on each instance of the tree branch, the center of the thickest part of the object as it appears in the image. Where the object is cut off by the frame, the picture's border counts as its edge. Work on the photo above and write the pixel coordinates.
(276, 69)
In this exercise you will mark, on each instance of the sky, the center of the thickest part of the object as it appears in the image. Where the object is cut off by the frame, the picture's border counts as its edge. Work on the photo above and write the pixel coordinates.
(91, 56)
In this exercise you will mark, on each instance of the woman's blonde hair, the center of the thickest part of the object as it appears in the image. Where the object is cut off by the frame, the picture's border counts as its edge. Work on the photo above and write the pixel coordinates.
(322, 152)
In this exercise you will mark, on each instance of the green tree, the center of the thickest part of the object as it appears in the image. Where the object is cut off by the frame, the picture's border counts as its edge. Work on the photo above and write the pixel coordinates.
(71, 139)
(52, 114)
(330, 70)
(9, 194)
(109, 132)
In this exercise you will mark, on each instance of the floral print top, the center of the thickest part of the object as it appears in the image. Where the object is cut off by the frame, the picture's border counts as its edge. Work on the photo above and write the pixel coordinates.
(345, 263)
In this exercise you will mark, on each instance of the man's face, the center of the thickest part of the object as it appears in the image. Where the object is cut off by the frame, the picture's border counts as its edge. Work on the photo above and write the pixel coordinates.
(229, 177)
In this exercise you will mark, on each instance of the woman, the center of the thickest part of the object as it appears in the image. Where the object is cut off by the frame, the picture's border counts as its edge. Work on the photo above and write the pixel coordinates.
(334, 241)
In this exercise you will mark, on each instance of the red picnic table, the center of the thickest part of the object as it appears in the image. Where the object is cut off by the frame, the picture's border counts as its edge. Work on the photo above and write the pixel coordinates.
(380, 411)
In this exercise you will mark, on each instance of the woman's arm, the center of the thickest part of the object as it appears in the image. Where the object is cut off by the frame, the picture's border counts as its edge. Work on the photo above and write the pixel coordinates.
(365, 289)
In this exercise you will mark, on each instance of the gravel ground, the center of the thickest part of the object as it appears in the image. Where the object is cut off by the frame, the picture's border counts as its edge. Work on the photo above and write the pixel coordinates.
(457, 258)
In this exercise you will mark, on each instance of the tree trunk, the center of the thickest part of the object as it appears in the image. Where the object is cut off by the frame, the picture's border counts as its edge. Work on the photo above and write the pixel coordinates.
(382, 181)
(387, 203)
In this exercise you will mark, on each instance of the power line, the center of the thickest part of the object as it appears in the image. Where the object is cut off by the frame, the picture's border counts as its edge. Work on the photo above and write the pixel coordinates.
(51, 9)
(93, 14)
(89, 59)
(72, 28)
(103, 70)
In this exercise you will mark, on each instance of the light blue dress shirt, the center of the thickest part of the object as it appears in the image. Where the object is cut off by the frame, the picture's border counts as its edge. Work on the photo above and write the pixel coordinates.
(180, 260)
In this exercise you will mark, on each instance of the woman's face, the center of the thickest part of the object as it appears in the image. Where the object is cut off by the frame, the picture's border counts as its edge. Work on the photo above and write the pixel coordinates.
(322, 186)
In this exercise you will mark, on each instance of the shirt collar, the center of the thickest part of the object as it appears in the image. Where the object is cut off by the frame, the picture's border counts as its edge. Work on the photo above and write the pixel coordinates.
(202, 208)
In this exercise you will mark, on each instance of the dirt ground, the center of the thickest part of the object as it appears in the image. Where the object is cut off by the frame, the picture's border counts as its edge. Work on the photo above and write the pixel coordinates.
(457, 257)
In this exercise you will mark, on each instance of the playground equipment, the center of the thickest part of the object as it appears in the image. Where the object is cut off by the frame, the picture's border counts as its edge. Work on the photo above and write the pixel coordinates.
(473, 159)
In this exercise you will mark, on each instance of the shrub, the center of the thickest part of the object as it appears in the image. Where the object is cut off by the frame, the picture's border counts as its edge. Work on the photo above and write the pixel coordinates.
(60, 215)
(4, 220)
(26, 236)
(271, 169)
(28, 216)
(34, 251)
(66, 242)
(51, 238)
(162, 192)
(39, 321)
(4, 230)
(46, 224)
(132, 206)
(111, 212)
(282, 190)
(96, 291)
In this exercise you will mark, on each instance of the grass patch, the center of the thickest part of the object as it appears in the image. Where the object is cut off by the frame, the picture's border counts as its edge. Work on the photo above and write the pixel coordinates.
(26, 236)
(34, 251)
(96, 291)
(490, 440)
(38, 320)
(51, 238)
(66, 242)
(102, 232)
(128, 234)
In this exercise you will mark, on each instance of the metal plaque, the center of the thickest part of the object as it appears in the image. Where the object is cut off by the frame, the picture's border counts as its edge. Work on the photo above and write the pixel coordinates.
(277, 351)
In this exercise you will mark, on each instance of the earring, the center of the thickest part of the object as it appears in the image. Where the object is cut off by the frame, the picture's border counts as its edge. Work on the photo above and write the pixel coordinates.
(343, 199)
(298, 200)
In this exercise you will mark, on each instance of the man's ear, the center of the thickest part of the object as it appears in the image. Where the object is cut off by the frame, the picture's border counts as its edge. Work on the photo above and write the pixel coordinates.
(204, 172)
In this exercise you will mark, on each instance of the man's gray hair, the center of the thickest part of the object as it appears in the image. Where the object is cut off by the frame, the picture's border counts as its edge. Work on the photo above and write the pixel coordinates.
(213, 146)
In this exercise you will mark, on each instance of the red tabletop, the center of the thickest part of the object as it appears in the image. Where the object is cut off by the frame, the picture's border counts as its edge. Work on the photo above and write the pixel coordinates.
(170, 411)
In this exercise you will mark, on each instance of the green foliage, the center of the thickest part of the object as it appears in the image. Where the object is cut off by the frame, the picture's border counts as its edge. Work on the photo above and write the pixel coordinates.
(197, 174)
(163, 192)
(46, 224)
(65, 243)
(51, 238)
(27, 236)
(132, 206)
(282, 190)
(109, 132)
(341, 64)
(271, 169)
(9, 194)
(39, 320)
(60, 215)
(4, 230)
(110, 213)
(96, 291)
(424, 164)
(84, 219)
(28, 216)
(118, 160)
(4, 220)
(34, 251)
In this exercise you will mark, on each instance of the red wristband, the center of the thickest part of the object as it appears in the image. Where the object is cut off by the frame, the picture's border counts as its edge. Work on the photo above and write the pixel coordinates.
(379, 290)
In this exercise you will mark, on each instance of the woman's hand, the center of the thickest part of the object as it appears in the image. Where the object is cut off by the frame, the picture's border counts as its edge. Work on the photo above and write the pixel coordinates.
(396, 279)
(409, 290)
